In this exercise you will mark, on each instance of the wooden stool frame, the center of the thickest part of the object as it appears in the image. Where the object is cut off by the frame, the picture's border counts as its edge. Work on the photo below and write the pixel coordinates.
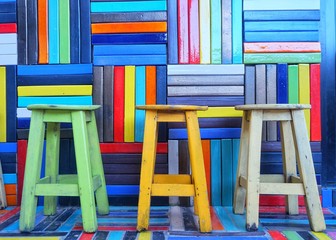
(295, 149)
(173, 185)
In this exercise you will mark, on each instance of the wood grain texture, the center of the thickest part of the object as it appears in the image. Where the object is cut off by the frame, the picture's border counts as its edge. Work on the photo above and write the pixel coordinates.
(129, 27)
(250, 58)
(207, 80)
(183, 31)
(194, 69)
(315, 100)
(129, 111)
(43, 48)
(205, 32)
(108, 103)
(172, 32)
(226, 172)
(274, 47)
(194, 32)
(118, 100)
(129, 17)
(226, 31)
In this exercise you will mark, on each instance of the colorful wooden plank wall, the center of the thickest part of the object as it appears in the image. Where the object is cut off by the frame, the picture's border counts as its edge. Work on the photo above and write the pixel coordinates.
(120, 54)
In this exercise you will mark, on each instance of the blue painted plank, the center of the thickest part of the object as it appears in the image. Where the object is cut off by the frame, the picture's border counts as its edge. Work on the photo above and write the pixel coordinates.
(59, 79)
(161, 97)
(8, 147)
(54, 69)
(7, 7)
(282, 83)
(54, 31)
(123, 49)
(115, 235)
(22, 31)
(120, 190)
(145, 38)
(172, 32)
(131, 6)
(8, 167)
(326, 197)
(307, 36)
(140, 99)
(25, 101)
(8, 157)
(216, 186)
(75, 31)
(85, 26)
(227, 177)
(299, 15)
(10, 178)
(7, 17)
(237, 29)
(235, 155)
(276, 157)
(130, 60)
(11, 103)
(206, 133)
(275, 26)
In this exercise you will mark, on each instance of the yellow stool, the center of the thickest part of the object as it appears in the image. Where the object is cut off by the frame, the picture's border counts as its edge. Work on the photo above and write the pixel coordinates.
(173, 185)
(295, 150)
(88, 183)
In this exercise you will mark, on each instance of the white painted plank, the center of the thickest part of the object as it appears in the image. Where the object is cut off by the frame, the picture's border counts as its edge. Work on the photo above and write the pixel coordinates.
(193, 69)
(8, 59)
(8, 48)
(206, 91)
(8, 38)
(207, 80)
(281, 5)
(23, 113)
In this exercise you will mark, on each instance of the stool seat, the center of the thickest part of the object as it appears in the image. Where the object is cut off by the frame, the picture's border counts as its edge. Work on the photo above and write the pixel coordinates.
(296, 154)
(193, 184)
(89, 182)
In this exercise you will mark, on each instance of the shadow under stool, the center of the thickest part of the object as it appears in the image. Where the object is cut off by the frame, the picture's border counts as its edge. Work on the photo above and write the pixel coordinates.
(88, 183)
(296, 154)
(193, 184)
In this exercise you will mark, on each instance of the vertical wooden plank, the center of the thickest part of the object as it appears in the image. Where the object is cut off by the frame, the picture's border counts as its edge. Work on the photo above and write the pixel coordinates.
(108, 104)
(184, 166)
(3, 104)
(216, 172)
(235, 155)
(173, 164)
(32, 32)
(194, 41)
(150, 85)
(226, 32)
(129, 103)
(22, 31)
(250, 78)
(21, 163)
(183, 38)
(172, 32)
(75, 31)
(119, 104)
(304, 91)
(3, 201)
(271, 92)
(85, 36)
(42, 31)
(237, 31)
(282, 83)
(161, 98)
(140, 99)
(98, 92)
(11, 100)
(64, 12)
(205, 32)
(293, 84)
(216, 32)
(261, 90)
(54, 31)
(315, 100)
(207, 164)
(227, 180)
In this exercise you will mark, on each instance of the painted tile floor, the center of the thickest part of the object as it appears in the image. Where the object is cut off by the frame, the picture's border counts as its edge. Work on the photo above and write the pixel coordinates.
(175, 223)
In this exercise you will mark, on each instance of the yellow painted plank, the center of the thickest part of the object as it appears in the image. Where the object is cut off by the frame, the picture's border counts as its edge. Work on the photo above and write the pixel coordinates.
(304, 91)
(145, 235)
(219, 112)
(3, 104)
(57, 90)
(129, 103)
(321, 236)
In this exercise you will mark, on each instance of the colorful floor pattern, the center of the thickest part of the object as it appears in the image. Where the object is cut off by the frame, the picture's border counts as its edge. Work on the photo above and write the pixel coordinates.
(166, 223)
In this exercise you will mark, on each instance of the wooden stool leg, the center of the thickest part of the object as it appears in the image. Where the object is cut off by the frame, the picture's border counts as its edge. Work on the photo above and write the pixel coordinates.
(32, 171)
(198, 171)
(239, 198)
(97, 166)
(147, 169)
(253, 171)
(85, 183)
(52, 163)
(307, 172)
(289, 164)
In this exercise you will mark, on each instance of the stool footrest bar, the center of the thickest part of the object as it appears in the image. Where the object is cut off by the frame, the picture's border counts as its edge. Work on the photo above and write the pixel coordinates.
(183, 190)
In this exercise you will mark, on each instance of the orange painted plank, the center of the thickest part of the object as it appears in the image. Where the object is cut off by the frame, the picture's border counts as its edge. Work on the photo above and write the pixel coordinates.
(274, 47)
(11, 200)
(207, 164)
(10, 189)
(43, 31)
(150, 85)
(128, 27)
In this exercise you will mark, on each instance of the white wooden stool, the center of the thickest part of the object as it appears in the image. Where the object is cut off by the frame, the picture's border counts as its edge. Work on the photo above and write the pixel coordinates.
(295, 150)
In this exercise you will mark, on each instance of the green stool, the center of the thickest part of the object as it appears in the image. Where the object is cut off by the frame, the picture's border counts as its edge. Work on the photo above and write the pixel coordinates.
(89, 181)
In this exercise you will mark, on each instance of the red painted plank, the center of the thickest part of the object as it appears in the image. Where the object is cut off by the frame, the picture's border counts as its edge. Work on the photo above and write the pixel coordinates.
(86, 236)
(119, 103)
(315, 101)
(8, 28)
(207, 165)
(124, 228)
(194, 41)
(216, 223)
(9, 214)
(21, 159)
(274, 47)
(276, 235)
(276, 200)
(182, 31)
(150, 85)
(129, 148)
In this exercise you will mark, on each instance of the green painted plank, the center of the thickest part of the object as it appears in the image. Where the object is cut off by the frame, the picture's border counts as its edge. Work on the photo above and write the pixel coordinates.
(64, 21)
(253, 58)
(293, 84)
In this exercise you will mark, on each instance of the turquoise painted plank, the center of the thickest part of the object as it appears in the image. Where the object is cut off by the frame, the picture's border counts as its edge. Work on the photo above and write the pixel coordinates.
(282, 58)
(33, 70)
(127, 49)
(216, 32)
(140, 99)
(70, 222)
(274, 26)
(10, 178)
(216, 183)
(237, 29)
(226, 220)
(115, 235)
(131, 6)
(235, 154)
(7, 147)
(54, 31)
(227, 165)
(282, 15)
(295, 36)
(130, 60)
(281, 5)
(82, 100)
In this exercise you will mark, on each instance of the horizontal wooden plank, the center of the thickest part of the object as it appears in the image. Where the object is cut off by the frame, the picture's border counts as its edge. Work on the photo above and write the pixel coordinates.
(10, 189)
(193, 69)
(129, 148)
(220, 112)
(8, 17)
(54, 69)
(23, 113)
(8, 7)
(135, 6)
(8, 167)
(130, 60)
(274, 47)
(8, 157)
(131, 168)
(117, 190)
(126, 158)
(8, 28)
(10, 178)
(25, 101)
(129, 17)
(59, 90)
(205, 91)
(207, 100)
(250, 58)
(212, 123)
(23, 134)
(8, 38)
(276, 146)
(306, 36)
(127, 49)
(291, 15)
(56, 79)
(8, 49)
(276, 157)
(275, 26)
(8, 59)
(206, 133)
(281, 5)
(194, 80)
(8, 147)
(129, 27)
(144, 38)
